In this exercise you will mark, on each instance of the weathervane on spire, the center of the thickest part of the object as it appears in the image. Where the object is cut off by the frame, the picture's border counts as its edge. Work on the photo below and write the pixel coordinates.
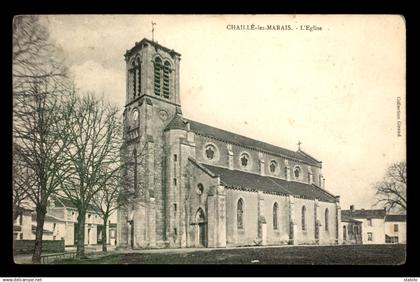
(153, 31)
(299, 143)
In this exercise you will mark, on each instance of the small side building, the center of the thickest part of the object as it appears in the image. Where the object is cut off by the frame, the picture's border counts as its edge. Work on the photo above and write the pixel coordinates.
(373, 223)
(22, 225)
(63, 209)
(351, 230)
(395, 229)
(61, 224)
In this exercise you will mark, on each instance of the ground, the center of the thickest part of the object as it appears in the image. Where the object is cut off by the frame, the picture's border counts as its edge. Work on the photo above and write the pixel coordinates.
(360, 254)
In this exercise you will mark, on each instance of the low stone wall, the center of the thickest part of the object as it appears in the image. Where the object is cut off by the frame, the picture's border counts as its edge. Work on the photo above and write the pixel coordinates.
(48, 246)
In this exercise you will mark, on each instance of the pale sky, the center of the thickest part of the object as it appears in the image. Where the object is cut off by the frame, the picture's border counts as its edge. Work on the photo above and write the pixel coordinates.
(335, 90)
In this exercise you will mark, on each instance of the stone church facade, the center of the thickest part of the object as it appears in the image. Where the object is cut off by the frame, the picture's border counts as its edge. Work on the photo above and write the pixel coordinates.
(193, 185)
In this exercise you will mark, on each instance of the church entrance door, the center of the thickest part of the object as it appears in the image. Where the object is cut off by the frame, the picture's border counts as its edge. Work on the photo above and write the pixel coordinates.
(201, 227)
(202, 234)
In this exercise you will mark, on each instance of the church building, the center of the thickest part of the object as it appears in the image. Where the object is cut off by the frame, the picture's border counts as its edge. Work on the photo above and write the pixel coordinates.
(189, 184)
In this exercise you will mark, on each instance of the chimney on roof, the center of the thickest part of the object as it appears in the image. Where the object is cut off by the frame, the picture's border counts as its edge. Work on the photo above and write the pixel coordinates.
(351, 207)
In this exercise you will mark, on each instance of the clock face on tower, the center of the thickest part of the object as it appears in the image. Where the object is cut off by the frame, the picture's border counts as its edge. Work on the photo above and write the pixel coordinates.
(135, 116)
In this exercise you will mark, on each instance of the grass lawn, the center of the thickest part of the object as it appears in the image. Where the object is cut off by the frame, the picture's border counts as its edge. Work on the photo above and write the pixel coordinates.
(361, 254)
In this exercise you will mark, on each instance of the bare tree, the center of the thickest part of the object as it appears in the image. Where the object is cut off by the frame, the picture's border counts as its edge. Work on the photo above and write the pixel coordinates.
(106, 202)
(39, 86)
(23, 179)
(392, 190)
(93, 155)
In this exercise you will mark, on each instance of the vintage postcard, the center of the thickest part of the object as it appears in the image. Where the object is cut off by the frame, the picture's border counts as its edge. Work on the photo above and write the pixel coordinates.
(209, 139)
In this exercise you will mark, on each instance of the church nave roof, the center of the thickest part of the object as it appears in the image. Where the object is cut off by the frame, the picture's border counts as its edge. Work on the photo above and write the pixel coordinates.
(179, 122)
(255, 182)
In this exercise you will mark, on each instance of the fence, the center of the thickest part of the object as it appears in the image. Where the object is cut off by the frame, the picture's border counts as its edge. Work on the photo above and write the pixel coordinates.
(48, 246)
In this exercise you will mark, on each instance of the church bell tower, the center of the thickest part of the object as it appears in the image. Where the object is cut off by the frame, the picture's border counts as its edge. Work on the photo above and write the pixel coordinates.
(152, 100)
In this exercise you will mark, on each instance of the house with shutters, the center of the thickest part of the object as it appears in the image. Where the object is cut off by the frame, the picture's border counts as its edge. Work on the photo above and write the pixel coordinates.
(372, 224)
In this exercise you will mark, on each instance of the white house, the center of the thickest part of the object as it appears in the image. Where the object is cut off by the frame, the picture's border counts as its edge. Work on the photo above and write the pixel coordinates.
(373, 224)
(61, 224)
(395, 228)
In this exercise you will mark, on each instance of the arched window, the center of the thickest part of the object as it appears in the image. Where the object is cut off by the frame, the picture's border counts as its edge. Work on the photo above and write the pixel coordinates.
(297, 172)
(239, 214)
(327, 214)
(275, 216)
(133, 78)
(200, 189)
(166, 73)
(138, 76)
(162, 78)
(158, 75)
(273, 166)
(200, 217)
(344, 232)
(303, 218)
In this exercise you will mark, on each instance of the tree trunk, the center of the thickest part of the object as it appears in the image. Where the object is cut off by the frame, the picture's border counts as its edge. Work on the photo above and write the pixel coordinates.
(104, 236)
(15, 212)
(40, 218)
(81, 219)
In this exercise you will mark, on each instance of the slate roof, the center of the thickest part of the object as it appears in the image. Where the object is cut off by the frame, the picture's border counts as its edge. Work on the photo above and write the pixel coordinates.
(63, 202)
(380, 213)
(53, 218)
(254, 182)
(45, 230)
(179, 122)
(349, 219)
(396, 217)
(48, 217)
